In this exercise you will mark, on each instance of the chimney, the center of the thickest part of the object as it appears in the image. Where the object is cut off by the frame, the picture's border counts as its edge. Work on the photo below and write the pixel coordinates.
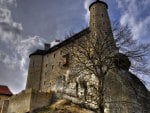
(47, 46)
(57, 40)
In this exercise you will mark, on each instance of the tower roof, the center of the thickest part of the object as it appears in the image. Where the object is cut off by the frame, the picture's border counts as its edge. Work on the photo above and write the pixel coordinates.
(4, 90)
(98, 1)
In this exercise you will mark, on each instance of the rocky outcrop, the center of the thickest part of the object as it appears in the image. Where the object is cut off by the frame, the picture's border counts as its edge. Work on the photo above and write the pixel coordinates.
(63, 106)
(123, 91)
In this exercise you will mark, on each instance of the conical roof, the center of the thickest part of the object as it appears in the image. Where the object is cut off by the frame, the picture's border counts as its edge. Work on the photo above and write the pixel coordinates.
(98, 1)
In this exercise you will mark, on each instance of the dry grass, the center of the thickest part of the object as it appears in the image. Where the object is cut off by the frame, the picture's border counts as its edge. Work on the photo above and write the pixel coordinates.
(63, 106)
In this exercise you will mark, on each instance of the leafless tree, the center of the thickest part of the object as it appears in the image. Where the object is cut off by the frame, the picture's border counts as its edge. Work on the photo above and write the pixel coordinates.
(137, 52)
(97, 54)
(93, 53)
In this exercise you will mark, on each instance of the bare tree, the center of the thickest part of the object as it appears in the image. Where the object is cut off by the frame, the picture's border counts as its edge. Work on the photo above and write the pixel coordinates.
(97, 54)
(137, 51)
(93, 54)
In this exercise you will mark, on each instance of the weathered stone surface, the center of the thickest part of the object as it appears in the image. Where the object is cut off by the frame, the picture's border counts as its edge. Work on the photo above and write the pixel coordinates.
(125, 92)
(2, 98)
(27, 101)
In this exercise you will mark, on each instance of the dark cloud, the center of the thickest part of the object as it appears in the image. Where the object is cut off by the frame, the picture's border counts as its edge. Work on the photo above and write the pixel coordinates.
(14, 78)
(8, 3)
(136, 15)
(9, 28)
(50, 18)
(14, 49)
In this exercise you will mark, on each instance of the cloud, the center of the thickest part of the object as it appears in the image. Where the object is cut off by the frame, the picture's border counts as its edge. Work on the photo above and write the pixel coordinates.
(8, 3)
(136, 15)
(14, 48)
(86, 6)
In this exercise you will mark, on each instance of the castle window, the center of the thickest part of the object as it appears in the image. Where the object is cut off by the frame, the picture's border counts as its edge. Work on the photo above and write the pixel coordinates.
(93, 24)
(44, 82)
(61, 52)
(33, 63)
(103, 23)
(94, 33)
(66, 60)
(47, 56)
(52, 66)
(54, 55)
(59, 63)
(46, 65)
(102, 15)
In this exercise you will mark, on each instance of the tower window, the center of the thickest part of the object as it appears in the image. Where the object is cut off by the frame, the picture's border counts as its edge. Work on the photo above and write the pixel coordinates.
(66, 60)
(93, 24)
(52, 66)
(102, 15)
(61, 52)
(44, 82)
(103, 23)
(54, 55)
(59, 63)
(33, 63)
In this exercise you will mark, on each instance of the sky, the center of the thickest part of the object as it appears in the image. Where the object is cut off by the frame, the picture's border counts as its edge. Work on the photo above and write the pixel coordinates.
(25, 25)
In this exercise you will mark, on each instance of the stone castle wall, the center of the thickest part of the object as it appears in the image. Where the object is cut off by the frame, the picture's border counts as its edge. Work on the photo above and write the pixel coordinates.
(5, 106)
(125, 92)
(20, 103)
(27, 101)
(119, 95)
(34, 72)
(2, 98)
(46, 71)
(40, 99)
(52, 69)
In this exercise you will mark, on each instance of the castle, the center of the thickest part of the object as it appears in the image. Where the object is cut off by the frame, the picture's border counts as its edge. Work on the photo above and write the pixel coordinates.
(52, 70)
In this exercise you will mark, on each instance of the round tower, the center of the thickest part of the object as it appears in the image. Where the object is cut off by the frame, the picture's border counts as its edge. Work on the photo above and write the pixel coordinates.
(35, 70)
(99, 19)
(100, 25)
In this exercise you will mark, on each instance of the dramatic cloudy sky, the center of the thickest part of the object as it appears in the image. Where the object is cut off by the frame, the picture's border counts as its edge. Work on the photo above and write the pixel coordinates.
(26, 24)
